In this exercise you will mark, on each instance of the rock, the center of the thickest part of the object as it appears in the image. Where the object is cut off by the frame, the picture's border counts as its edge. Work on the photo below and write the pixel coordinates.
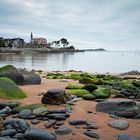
(91, 134)
(19, 124)
(59, 123)
(77, 122)
(91, 126)
(55, 111)
(123, 108)
(31, 78)
(50, 123)
(29, 106)
(58, 116)
(40, 111)
(114, 116)
(90, 87)
(55, 96)
(126, 137)
(100, 100)
(1, 123)
(34, 133)
(35, 121)
(12, 73)
(7, 138)
(10, 132)
(19, 136)
(63, 130)
(119, 124)
(25, 114)
(88, 97)
(11, 104)
(75, 100)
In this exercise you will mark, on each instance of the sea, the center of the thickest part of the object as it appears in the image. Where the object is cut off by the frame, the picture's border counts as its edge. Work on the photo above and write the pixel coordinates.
(88, 61)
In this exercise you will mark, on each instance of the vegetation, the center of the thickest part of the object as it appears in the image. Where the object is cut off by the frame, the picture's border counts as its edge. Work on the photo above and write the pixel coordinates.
(2, 44)
(73, 86)
(90, 87)
(77, 92)
(89, 97)
(9, 89)
(29, 106)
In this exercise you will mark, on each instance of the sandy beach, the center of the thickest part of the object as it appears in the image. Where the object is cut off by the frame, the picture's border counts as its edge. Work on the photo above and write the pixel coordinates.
(80, 111)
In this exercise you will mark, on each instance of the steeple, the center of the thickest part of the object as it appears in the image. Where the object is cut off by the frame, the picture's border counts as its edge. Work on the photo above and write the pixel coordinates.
(31, 36)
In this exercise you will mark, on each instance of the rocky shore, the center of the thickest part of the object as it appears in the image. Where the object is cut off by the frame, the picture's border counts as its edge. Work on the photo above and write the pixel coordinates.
(70, 105)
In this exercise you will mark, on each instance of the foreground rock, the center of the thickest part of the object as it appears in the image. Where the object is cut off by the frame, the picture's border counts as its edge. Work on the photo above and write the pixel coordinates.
(123, 108)
(40, 111)
(34, 133)
(55, 96)
(126, 137)
(63, 130)
(91, 134)
(119, 124)
(25, 114)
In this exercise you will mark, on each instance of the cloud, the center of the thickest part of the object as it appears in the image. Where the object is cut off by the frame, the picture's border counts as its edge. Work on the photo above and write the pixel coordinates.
(89, 24)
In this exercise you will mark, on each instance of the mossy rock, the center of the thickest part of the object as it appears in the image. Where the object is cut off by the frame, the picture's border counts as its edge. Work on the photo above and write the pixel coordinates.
(9, 89)
(78, 92)
(97, 81)
(90, 87)
(12, 73)
(40, 111)
(86, 80)
(73, 86)
(102, 93)
(1, 123)
(29, 106)
(89, 97)
(73, 76)
(136, 83)
(118, 95)
(68, 106)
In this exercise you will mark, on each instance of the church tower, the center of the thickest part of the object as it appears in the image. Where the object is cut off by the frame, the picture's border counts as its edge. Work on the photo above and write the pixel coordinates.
(31, 37)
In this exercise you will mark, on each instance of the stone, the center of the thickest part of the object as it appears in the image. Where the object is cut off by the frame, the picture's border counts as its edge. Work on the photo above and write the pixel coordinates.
(75, 100)
(5, 110)
(35, 121)
(12, 73)
(9, 132)
(114, 116)
(34, 133)
(19, 124)
(88, 97)
(7, 138)
(59, 123)
(63, 130)
(10, 104)
(19, 136)
(126, 137)
(40, 111)
(54, 111)
(123, 108)
(25, 114)
(77, 122)
(119, 124)
(58, 116)
(1, 123)
(55, 96)
(50, 123)
(91, 134)
(91, 126)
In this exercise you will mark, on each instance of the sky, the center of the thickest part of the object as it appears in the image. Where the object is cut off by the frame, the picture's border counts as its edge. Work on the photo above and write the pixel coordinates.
(109, 24)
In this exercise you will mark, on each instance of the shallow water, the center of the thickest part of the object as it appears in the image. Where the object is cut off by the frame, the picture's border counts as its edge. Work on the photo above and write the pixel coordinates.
(101, 62)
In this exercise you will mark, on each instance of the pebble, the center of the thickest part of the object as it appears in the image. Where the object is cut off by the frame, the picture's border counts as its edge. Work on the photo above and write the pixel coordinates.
(35, 121)
(50, 123)
(24, 114)
(63, 130)
(91, 134)
(77, 122)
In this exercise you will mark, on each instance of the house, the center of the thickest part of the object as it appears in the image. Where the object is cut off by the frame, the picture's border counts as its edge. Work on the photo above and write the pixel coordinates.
(14, 42)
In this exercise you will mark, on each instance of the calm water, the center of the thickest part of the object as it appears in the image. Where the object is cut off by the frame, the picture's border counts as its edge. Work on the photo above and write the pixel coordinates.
(113, 62)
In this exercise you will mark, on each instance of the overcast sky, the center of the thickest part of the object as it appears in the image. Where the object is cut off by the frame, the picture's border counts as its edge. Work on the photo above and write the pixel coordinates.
(109, 24)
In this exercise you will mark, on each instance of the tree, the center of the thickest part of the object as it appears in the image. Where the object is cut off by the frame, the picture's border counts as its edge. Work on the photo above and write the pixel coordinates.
(2, 44)
(64, 42)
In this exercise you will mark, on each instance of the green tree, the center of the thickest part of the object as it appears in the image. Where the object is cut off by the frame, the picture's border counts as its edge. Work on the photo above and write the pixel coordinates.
(64, 41)
(2, 44)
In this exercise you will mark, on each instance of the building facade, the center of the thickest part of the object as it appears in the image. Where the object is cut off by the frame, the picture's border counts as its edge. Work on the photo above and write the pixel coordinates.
(14, 42)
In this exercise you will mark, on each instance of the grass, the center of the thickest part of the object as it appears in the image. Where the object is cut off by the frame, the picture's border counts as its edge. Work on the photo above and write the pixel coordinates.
(78, 92)
(73, 86)
(9, 89)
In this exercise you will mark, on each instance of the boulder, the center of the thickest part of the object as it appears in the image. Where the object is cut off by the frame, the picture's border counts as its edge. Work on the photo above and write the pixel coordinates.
(126, 137)
(9, 132)
(12, 73)
(19, 125)
(34, 133)
(5, 110)
(25, 114)
(10, 104)
(91, 134)
(119, 124)
(40, 111)
(123, 108)
(89, 97)
(63, 130)
(55, 96)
